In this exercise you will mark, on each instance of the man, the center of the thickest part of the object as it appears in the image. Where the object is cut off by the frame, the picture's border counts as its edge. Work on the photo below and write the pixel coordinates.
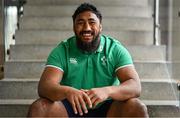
(89, 75)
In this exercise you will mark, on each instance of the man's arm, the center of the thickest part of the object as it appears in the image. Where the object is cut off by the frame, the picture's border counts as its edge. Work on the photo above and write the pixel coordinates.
(130, 87)
(50, 88)
(130, 84)
(49, 84)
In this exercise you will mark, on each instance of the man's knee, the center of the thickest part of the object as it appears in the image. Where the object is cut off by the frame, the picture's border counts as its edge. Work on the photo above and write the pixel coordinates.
(45, 107)
(136, 103)
(137, 106)
(129, 108)
(38, 107)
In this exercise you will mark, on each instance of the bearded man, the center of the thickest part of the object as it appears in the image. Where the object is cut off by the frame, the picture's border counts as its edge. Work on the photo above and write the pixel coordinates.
(89, 75)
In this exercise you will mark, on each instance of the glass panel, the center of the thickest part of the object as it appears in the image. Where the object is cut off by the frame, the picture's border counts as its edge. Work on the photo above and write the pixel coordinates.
(170, 24)
(176, 40)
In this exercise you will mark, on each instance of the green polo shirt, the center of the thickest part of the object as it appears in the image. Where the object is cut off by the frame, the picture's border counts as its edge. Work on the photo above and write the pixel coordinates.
(89, 70)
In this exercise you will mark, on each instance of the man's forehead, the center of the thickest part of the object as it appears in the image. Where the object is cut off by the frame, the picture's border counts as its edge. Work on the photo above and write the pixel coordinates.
(86, 15)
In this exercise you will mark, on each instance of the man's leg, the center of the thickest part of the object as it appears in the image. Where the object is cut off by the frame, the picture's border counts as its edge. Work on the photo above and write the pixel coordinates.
(130, 108)
(44, 108)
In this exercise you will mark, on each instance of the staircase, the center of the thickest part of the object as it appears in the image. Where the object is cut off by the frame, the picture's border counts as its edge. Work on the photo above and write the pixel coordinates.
(47, 22)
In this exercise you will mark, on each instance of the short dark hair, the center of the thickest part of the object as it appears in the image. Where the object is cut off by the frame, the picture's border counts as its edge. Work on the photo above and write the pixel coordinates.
(87, 7)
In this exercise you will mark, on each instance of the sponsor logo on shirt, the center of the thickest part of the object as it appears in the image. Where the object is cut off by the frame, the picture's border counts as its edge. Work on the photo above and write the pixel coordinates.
(73, 60)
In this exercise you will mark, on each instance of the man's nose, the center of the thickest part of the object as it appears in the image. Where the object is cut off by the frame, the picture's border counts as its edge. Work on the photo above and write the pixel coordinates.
(87, 27)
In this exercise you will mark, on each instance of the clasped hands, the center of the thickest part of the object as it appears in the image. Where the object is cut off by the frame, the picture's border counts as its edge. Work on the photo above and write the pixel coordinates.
(82, 99)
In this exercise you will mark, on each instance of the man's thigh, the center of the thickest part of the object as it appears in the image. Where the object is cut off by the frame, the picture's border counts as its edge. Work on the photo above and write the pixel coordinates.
(101, 111)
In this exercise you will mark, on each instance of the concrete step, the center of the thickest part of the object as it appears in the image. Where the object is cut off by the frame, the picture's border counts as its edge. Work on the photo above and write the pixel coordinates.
(33, 69)
(147, 53)
(16, 103)
(55, 36)
(164, 111)
(18, 88)
(175, 69)
(19, 108)
(40, 52)
(58, 23)
(156, 90)
(96, 2)
(14, 107)
(68, 10)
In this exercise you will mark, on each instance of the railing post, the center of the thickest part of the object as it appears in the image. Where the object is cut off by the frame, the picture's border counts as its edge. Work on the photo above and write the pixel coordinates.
(156, 23)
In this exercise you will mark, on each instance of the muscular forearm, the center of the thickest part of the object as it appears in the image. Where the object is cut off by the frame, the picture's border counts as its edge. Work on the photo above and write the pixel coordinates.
(126, 90)
(54, 92)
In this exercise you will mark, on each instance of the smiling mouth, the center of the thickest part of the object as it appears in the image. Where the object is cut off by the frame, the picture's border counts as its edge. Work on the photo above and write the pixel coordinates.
(87, 35)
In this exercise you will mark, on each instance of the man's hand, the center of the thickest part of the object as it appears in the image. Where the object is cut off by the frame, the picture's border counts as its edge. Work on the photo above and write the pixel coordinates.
(79, 101)
(97, 95)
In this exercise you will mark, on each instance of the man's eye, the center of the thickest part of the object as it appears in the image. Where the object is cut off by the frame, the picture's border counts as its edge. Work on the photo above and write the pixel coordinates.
(79, 23)
(92, 22)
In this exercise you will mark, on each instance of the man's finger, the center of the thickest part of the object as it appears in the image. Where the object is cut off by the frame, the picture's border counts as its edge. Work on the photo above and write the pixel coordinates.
(83, 105)
(78, 106)
(74, 106)
(91, 95)
(88, 100)
(84, 90)
(97, 101)
(93, 99)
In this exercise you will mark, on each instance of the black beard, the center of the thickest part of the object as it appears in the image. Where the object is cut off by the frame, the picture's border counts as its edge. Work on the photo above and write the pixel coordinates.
(88, 47)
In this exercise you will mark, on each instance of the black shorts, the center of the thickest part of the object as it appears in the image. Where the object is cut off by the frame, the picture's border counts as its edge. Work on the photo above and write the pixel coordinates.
(101, 111)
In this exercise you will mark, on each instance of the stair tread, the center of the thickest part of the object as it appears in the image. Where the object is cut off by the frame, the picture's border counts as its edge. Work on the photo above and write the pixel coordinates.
(29, 101)
(59, 24)
(19, 109)
(41, 52)
(16, 101)
(68, 10)
(161, 102)
(17, 68)
(10, 87)
(55, 36)
(96, 2)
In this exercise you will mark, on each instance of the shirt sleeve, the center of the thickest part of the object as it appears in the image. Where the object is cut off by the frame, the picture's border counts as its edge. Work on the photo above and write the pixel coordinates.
(56, 58)
(123, 57)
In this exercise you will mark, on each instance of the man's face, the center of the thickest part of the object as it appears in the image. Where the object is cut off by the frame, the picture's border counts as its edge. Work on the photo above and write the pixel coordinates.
(87, 27)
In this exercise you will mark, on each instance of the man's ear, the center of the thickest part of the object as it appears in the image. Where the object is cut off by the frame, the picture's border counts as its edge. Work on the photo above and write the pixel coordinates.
(100, 27)
(73, 27)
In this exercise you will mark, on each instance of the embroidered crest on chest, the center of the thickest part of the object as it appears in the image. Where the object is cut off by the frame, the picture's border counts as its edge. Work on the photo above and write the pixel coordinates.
(73, 61)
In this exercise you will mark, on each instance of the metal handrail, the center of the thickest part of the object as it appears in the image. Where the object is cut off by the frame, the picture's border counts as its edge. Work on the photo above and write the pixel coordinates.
(156, 23)
(5, 4)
